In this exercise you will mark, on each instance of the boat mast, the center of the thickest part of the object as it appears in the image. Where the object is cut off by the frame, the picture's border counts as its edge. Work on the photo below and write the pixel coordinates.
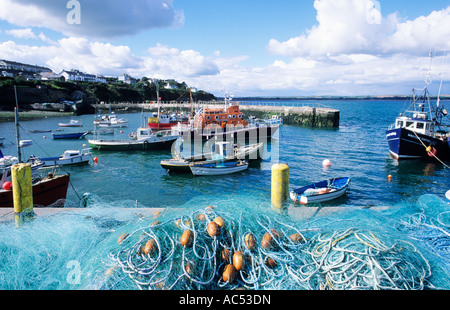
(16, 122)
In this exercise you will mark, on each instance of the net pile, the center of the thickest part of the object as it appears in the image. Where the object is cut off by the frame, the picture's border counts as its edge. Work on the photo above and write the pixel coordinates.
(212, 248)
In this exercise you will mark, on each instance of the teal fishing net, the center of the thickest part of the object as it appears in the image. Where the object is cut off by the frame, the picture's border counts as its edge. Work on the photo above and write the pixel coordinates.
(111, 246)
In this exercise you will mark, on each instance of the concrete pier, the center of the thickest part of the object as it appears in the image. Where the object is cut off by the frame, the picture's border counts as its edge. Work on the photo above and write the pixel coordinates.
(306, 116)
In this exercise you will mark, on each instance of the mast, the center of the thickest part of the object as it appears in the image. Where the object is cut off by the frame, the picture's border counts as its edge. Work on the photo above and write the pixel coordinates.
(16, 122)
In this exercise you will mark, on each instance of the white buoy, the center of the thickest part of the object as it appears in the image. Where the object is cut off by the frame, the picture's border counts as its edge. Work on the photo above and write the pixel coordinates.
(447, 195)
(326, 163)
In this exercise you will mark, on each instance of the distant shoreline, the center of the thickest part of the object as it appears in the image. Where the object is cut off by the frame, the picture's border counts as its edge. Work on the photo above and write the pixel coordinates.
(8, 116)
(442, 97)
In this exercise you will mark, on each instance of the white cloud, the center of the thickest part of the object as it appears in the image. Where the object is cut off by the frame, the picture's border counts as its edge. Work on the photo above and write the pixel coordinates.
(26, 33)
(100, 19)
(357, 27)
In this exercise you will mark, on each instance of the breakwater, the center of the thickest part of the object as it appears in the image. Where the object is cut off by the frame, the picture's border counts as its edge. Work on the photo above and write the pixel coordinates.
(307, 116)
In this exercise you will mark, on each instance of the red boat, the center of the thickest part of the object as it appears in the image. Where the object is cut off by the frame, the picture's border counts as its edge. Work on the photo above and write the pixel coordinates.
(46, 191)
(162, 121)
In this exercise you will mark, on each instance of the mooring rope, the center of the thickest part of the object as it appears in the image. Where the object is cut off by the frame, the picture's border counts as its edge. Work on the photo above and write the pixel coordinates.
(426, 147)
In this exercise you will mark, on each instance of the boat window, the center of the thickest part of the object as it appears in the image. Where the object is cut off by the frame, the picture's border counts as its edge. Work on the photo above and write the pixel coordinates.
(410, 124)
(217, 117)
(419, 125)
(208, 117)
(234, 116)
(240, 116)
(143, 133)
(399, 123)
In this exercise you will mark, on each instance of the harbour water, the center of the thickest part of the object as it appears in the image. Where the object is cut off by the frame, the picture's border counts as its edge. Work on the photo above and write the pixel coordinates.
(358, 149)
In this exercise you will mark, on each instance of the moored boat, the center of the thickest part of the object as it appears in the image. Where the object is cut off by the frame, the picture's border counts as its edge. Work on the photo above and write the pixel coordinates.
(222, 151)
(145, 139)
(69, 135)
(321, 191)
(420, 132)
(72, 123)
(110, 121)
(69, 157)
(218, 168)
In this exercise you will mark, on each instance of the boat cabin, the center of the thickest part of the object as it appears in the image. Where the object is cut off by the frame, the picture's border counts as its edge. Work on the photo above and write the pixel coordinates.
(418, 123)
(220, 117)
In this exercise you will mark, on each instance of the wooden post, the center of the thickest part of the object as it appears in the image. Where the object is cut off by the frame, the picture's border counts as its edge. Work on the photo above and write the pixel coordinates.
(280, 185)
(22, 191)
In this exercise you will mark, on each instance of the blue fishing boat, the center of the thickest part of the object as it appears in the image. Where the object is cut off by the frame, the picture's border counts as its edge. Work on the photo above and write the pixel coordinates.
(218, 168)
(321, 191)
(420, 131)
(72, 135)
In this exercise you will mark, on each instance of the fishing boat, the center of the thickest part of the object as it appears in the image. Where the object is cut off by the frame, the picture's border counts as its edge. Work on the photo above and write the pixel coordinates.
(110, 121)
(165, 121)
(221, 151)
(71, 135)
(321, 191)
(72, 123)
(218, 168)
(145, 139)
(48, 187)
(69, 157)
(226, 123)
(420, 132)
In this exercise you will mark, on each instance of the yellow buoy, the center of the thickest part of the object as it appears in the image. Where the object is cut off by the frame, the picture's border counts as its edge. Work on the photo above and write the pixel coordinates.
(280, 185)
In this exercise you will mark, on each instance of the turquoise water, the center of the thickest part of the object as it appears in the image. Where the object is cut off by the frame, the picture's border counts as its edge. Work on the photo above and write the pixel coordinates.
(358, 149)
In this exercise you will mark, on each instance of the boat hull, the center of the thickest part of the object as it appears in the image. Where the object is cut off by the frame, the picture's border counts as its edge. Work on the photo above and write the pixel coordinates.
(217, 170)
(45, 192)
(78, 135)
(126, 145)
(257, 134)
(406, 144)
(321, 191)
(56, 161)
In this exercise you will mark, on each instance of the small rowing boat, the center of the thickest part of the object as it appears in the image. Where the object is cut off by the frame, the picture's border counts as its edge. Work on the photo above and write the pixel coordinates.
(72, 123)
(73, 135)
(321, 191)
(218, 168)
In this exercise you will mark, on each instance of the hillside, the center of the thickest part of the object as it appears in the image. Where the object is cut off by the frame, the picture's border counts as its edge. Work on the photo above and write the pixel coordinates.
(29, 92)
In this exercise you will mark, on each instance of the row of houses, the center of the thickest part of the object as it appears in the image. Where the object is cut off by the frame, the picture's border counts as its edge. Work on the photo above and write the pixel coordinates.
(34, 72)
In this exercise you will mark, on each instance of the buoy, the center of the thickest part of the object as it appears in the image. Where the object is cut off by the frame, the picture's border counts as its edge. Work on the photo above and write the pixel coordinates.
(447, 195)
(389, 178)
(95, 160)
(7, 186)
(280, 185)
(431, 151)
(44, 137)
(326, 163)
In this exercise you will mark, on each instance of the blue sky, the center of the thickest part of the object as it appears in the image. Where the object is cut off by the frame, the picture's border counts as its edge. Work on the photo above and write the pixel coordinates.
(249, 48)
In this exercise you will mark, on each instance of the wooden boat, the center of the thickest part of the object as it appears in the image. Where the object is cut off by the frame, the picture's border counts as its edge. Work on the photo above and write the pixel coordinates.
(72, 135)
(72, 123)
(218, 168)
(47, 187)
(46, 190)
(145, 139)
(222, 151)
(321, 191)
(69, 157)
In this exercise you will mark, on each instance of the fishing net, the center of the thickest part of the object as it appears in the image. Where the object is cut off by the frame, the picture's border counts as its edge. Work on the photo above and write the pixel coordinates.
(231, 244)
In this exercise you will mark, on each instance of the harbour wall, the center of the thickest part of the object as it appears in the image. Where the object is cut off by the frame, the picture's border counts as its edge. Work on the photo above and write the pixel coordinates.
(306, 116)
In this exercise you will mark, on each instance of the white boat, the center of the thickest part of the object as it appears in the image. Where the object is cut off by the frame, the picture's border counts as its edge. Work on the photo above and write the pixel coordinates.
(72, 123)
(321, 191)
(24, 143)
(145, 139)
(69, 157)
(221, 151)
(218, 168)
(110, 121)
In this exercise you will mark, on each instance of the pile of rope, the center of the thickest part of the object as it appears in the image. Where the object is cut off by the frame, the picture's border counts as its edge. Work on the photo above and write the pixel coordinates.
(212, 249)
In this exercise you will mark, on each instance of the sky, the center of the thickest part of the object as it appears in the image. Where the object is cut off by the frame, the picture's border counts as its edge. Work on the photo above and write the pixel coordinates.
(245, 47)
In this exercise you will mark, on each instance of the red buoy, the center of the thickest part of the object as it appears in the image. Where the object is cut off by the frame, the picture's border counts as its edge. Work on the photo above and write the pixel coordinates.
(7, 186)
(95, 160)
